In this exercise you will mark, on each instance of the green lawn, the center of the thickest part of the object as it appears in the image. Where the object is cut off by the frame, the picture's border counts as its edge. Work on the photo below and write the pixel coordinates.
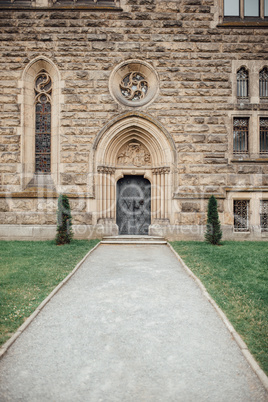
(235, 274)
(29, 272)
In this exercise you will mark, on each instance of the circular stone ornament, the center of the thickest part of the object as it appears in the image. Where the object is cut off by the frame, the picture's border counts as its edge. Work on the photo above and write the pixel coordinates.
(133, 83)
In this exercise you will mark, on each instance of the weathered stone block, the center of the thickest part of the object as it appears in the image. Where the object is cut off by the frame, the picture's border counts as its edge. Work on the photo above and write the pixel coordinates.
(188, 179)
(190, 206)
(13, 179)
(4, 207)
(85, 218)
(22, 205)
(212, 179)
(240, 180)
(191, 158)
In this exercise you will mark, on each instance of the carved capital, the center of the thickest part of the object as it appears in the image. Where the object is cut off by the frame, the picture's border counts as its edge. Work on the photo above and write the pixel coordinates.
(106, 169)
(161, 170)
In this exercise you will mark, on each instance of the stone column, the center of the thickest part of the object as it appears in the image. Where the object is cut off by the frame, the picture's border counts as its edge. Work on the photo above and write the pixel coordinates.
(162, 193)
(154, 194)
(166, 173)
(109, 192)
(106, 192)
(158, 195)
(113, 193)
(99, 195)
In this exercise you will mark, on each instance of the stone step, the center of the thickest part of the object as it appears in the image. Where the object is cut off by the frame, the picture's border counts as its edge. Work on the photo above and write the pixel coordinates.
(133, 240)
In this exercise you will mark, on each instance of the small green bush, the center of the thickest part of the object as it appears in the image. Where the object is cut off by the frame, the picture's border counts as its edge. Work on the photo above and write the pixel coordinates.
(213, 233)
(64, 221)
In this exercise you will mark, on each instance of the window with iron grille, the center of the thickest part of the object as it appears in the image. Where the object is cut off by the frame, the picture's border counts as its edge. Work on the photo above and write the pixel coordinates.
(241, 209)
(264, 135)
(43, 90)
(240, 131)
(242, 83)
(263, 83)
(264, 215)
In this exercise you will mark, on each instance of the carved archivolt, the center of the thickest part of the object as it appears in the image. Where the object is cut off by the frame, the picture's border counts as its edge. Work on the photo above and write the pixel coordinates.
(134, 154)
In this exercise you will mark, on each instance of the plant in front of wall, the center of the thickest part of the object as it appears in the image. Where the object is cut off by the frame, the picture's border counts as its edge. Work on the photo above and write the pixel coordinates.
(213, 233)
(64, 221)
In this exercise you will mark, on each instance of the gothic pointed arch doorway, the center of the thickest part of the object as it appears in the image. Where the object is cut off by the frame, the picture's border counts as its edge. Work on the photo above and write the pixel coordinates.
(136, 149)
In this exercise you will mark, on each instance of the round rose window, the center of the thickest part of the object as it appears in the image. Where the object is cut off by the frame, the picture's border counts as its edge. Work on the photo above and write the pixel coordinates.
(133, 83)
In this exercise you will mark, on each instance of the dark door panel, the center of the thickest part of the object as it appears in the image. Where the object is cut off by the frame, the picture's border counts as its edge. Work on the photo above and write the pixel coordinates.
(133, 206)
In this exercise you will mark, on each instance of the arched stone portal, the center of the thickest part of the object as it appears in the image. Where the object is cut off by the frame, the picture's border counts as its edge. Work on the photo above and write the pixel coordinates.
(134, 145)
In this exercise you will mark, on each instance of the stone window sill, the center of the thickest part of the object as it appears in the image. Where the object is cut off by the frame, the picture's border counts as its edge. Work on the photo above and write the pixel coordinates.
(243, 24)
(245, 159)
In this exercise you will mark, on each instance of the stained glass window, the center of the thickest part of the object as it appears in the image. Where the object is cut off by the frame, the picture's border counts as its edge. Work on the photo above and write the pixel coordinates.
(240, 135)
(241, 215)
(43, 89)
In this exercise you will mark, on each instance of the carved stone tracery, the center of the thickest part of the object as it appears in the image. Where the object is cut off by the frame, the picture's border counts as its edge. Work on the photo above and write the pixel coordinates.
(134, 86)
(134, 154)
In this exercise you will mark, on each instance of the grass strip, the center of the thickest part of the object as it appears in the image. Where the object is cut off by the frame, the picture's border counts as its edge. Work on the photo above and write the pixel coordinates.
(29, 272)
(235, 275)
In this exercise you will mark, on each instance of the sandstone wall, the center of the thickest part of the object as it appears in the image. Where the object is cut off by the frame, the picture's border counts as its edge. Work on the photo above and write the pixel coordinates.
(193, 58)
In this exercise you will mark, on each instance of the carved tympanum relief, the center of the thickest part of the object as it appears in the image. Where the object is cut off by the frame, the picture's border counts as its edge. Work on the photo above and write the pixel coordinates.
(134, 154)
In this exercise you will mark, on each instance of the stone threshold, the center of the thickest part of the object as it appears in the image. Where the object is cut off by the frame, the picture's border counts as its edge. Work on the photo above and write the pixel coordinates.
(134, 239)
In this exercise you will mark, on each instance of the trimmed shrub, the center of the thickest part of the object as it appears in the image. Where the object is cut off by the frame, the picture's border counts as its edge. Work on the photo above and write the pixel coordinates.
(64, 221)
(213, 233)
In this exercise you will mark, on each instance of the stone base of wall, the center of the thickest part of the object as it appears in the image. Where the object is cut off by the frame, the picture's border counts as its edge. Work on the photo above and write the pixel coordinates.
(170, 232)
(197, 232)
(48, 232)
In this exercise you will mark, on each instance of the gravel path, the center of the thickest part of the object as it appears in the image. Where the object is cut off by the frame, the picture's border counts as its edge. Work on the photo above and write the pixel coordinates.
(129, 326)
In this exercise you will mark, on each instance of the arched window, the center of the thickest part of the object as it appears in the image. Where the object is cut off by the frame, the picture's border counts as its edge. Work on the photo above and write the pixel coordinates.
(43, 91)
(263, 83)
(242, 83)
(40, 106)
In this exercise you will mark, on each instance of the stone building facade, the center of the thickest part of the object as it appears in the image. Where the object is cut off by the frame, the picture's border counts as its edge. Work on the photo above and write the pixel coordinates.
(139, 110)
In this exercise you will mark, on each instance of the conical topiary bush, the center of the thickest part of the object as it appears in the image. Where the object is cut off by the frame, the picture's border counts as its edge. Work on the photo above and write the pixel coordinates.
(64, 221)
(213, 233)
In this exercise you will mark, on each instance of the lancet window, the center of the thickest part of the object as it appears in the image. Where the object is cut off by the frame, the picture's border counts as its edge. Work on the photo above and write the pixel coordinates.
(43, 91)
(263, 83)
(242, 83)
(240, 139)
(264, 135)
